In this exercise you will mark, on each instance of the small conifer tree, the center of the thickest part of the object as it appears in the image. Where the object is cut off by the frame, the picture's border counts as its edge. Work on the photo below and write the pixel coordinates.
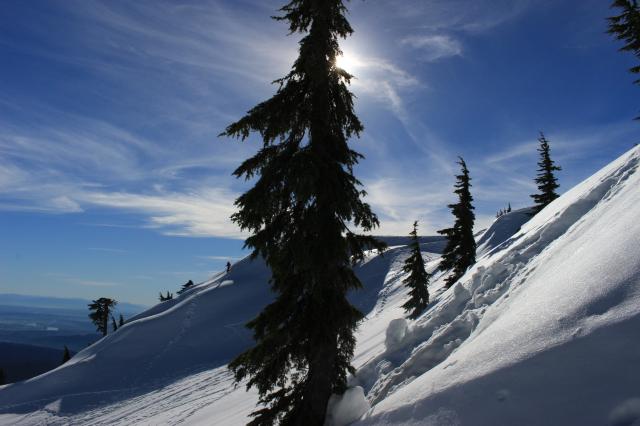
(100, 311)
(186, 286)
(121, 321)
(164, 298)
(66, 355)
(546, 180)
(3, 377)
(300, 210)
(418, 278)
(114, 324)
(460, 252)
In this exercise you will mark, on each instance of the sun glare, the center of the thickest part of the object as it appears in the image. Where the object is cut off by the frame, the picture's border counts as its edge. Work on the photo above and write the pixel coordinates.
(347, 62)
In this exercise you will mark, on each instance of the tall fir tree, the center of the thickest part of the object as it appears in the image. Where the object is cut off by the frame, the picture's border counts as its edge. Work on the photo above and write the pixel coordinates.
(299, 211)
(100, 311)
(626, 27)
(460, 252)
(418, 278)
(546, 180)
(66, 355)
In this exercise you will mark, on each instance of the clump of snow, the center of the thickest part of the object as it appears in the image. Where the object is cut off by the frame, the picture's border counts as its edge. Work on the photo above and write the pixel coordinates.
(626, 414)
(346, 408)
(396, 331)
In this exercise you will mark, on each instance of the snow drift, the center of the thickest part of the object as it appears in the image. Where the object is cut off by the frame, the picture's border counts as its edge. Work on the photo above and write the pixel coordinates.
(542, 330)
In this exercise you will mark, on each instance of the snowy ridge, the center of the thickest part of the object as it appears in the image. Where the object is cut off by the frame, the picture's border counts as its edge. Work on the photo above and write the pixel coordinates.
(542, 330)
(571, 270)
(502, 229)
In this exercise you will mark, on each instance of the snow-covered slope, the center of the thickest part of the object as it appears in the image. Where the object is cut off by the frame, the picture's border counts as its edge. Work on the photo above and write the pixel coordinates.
(502, 229)
(544, 329)
(181, 345)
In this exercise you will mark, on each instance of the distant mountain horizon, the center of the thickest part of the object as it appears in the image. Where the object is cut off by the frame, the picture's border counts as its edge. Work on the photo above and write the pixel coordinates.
(53, 302)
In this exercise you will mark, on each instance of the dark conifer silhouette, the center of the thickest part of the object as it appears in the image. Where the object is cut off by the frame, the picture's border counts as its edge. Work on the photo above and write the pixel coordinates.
(418, 278)
(502, 212)
(186, 286)
(120, 321)
(169, 296)
(460, 252)
(66, 355)
(626, 27)
(299, 211)
(114, 324)
(100, 313)
(3, 377)
(546, 180)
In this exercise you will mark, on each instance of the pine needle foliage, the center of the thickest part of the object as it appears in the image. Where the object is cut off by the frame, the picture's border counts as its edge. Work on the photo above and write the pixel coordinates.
(546, 179)
(299, 213)
(418, 278)
(626, 27)
(100, 311)
(460, 252)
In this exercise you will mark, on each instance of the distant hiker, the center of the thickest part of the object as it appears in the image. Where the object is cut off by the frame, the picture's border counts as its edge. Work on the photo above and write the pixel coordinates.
(228, 267)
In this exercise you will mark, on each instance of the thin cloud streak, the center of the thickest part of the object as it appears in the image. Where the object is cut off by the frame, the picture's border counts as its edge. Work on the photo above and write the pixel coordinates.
(433, 47)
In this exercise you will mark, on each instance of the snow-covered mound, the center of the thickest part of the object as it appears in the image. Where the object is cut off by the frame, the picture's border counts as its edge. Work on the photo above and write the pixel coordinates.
(543, 330)
(173, 345)
(502, 229)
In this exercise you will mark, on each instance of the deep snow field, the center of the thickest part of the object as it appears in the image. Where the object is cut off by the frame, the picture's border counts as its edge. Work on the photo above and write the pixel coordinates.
(543, 330)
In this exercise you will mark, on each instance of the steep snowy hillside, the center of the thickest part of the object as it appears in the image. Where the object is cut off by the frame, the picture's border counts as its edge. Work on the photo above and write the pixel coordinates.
(178, 346)
(543, 330)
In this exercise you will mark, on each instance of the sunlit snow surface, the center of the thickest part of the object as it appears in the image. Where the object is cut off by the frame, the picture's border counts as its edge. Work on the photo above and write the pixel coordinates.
(543, 330)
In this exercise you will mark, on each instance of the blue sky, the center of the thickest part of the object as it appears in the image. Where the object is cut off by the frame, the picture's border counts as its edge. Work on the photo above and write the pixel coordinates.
(113, 181)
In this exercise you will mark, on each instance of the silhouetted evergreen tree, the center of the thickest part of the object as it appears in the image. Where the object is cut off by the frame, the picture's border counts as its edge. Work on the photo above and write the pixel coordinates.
(186, 286)
(299, 211)
(3, 377)
(66, 356)
(546, 180)
(460, 252)
(509, 208)
(418, 278)
(626, 27)
(164, 298)
(120, 321)
(100, 313)
(114, 324)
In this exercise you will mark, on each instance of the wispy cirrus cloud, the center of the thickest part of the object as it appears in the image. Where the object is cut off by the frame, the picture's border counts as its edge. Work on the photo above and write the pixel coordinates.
(199, 213)
(433, 47)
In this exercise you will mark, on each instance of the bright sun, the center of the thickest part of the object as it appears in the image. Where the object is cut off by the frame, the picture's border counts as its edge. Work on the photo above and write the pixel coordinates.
(347, 62)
